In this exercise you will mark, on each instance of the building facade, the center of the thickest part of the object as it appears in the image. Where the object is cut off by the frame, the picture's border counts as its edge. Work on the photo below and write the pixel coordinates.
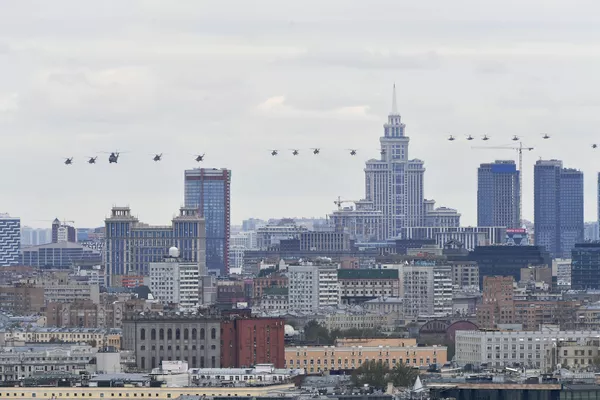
(175, 281)
(312, 287)
(427, 289)
(59, 255)
(10, 240)
(360, 285)
(251, 341)
(154, 339)
(558, 207)
(209, 191)
(498, 194)
(362, 222)
(585, 266)
(131, 245)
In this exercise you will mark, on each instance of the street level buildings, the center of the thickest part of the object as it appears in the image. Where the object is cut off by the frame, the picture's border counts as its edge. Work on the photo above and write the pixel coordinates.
(209, 191)
(498, 196)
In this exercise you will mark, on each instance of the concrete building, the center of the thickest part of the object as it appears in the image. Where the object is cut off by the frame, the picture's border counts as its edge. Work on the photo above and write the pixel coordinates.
(362, 222)
(349, 354)
(558, 207)
(131, 245)
(208, 190)
(498, 196)
(465, 274)
(497, 306)
(62, 232)
(69, 292)
(274, 300)
(10, 240)
(22, 298)
(469, 237)
(512, 348)
(92, 336)
(59, 255)
(324, 241)
(154, 338)
(573, 355)
(561, 268)
(313, 286)
(359, 285)
(440, 217)
(270, 235)
(176, 281)
(427, 289)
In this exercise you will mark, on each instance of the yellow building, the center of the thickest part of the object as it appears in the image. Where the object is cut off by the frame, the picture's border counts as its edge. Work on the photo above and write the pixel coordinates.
(96, 337)
(349, 354)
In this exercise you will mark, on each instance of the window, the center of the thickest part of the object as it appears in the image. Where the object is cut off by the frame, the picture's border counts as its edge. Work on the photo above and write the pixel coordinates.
(213, 334)
(186, 334)
(177, 334)
(202, 334)
(161, 334)
(169, 334)
(213, 361)
(142, 334)
(194, 334)
(153, 334)
(143, 362)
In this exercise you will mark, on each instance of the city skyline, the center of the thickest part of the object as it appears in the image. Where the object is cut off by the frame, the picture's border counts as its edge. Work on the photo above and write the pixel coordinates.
(308, 80)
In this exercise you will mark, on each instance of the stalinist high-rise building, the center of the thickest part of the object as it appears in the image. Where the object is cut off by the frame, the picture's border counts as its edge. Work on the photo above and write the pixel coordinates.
(394, 183)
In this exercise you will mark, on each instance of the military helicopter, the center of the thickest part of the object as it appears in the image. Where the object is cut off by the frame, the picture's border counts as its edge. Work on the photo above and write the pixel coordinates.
(469, 137)
(352, 152)
(274, 152)
(157, 157)
(69, 161)
(92, 160)
(451, 138)
(515, 138)
(199, 157)
(546, 136)
(316, 151)
(113, 158)
(594, 146)
(295, 152)
(382, 152)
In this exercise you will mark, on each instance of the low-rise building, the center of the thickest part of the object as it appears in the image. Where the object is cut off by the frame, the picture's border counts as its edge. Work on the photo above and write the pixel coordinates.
(349, 354)
(273, 300)
(360, 285)
(93, 337)
(260, 373)
(574, 355)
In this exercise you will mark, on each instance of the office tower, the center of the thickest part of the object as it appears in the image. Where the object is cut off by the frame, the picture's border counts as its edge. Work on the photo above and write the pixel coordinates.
(558, 207)
(130, 246)
(61, 232)
(10, 240)
(585, 266)
(597, 233)
(394, 183)
(498, 196)
(208, 190)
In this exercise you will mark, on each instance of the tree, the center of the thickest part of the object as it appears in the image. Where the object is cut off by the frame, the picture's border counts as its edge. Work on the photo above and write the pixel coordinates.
(377, 374)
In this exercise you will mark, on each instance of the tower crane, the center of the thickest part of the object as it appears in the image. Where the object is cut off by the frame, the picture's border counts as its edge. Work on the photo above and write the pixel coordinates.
(519, 150)
(339, 202)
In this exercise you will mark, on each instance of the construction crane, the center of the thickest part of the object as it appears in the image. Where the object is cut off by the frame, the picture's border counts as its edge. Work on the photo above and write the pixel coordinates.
(519, 150)
(339, 202)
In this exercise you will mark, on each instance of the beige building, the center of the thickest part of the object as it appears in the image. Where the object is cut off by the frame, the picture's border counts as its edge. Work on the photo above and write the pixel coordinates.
(573, 355)
(94, 337)
(348, 354)
(345, 319)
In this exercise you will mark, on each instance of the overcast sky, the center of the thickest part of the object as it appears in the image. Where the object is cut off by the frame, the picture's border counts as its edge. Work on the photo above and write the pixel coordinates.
(236, 78)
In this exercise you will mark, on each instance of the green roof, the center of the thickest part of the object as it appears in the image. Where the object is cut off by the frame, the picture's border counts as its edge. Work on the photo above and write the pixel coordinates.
(367, 274)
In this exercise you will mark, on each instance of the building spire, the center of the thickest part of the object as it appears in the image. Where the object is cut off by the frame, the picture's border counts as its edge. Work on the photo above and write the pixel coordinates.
(394, 104)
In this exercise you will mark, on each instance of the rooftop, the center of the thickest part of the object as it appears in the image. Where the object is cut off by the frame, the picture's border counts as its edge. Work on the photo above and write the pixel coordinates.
(368, 274)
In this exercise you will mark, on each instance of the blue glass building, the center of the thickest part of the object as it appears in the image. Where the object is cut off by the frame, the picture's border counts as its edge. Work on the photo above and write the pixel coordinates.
(498, 195)
(208, 190)
(10, 240)
(130, 246)
(60, 255)
(558, 207)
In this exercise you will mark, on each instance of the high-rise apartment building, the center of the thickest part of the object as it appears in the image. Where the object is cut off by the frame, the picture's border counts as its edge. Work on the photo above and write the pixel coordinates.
(130, 246)
(427, 289)
(208, 190)
(498, 194)
(558, 207)
(312, 286)
(394, 183)
(61, 232)
(10, 240)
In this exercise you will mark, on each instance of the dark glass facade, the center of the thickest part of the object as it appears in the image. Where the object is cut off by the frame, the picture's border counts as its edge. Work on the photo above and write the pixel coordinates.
(498, 195)
(208, 190)
(59, 255)
(558, 207)
(585, 266)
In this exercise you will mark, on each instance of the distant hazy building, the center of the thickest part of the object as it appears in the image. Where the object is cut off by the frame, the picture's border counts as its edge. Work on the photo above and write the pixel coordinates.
(273, 234)
(62, 232)
(35, 236)
(558, 207)
(498, 196)
(208, 190)
(252, 224)
(60, 255)
(362, 222)
(10, 240)
(469, 237)
(590, 232)
(441, 217)
(130, 246)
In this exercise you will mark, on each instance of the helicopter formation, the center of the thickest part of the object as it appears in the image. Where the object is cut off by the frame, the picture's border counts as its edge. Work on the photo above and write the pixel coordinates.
(113, 158)
(515, 138)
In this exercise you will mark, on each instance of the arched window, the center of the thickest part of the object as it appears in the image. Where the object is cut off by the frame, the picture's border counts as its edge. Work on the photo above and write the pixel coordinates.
(177, 334)
(213, 334)
(194, 334)
(202, 335)
(143, 362)
(153, 335)
(153, 362)
(142, 334)
(186, 334)
(169, 334)
(161, 334)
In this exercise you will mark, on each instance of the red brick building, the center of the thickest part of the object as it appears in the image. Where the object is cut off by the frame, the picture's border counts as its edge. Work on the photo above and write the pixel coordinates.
(249, 341)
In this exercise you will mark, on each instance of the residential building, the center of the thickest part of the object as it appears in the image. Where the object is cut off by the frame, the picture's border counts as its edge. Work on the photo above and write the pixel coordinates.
(440, 217)
(498, 196)
(427, 289)
(585, 266)
(209, 191)
(558, 207)
(10, 240)
(561, 268)
(512, 348)
(21, 298)
(574, 355)
(360, 285)
(59, 255)
(270, 235)
(385, 305)
(324, 241)
(465, 274)
(508, 260)
(176, 281)
(131, 245)
(497, 306)
(358, 318)
(35, 236)
(275, 280)
(349, 354)
(79, 313)
(312, 286)
(362, 222)
(251, 341)
(156, 338)
(94, 337)
(62, 232)
(274, 300)
(252, 224)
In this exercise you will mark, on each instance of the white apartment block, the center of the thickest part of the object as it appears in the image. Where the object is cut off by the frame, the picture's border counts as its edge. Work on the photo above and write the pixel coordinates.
(70, 292)
(427, 290)
(312, 286)
(176, 282)
(512, 348)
